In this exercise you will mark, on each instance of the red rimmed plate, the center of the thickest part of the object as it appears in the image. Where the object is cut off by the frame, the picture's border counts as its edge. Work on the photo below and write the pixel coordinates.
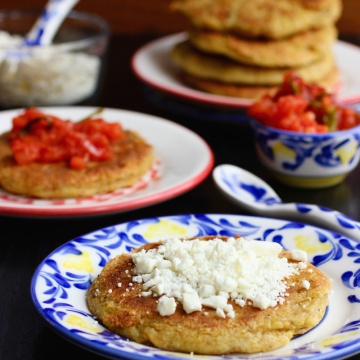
(179, 168)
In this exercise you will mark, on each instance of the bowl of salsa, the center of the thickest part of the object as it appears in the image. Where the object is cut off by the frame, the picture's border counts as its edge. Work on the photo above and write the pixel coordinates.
(304, 136)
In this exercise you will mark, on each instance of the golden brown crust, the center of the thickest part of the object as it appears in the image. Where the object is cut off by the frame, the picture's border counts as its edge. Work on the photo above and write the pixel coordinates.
(330, 82)
(133, 158)
(260, 18)
(124, 312)
(298, 50)
(212, 67)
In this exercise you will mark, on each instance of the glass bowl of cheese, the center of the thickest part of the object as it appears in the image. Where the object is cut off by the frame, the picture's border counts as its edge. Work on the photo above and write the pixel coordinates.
(66, 72)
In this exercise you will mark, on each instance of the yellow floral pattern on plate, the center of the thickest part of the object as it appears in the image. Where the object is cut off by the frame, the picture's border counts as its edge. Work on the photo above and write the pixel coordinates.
(79, 322)
(78, 262)
(306, 243)
(336, 339)
(164, 228)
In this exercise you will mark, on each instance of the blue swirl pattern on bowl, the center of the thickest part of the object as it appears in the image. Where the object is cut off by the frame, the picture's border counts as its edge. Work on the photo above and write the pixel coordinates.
(307, 160)
(60, 283)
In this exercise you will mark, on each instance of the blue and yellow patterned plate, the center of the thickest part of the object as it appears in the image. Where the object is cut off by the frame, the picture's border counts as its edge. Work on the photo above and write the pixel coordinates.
(60, 283)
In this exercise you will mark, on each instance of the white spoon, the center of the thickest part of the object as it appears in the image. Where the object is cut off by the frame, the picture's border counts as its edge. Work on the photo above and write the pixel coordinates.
(256, 196)
(46, 26)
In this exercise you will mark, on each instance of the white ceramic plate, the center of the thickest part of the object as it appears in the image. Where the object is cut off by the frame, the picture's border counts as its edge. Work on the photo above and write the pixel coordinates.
(60, 283)
(153, 65)
(185, 160)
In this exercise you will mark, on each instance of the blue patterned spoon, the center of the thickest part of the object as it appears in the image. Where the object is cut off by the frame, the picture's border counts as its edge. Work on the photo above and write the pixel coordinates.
(256, 196)
(46, 26)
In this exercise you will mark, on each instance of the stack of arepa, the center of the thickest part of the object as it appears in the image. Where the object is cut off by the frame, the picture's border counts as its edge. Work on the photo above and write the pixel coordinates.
(243, 48)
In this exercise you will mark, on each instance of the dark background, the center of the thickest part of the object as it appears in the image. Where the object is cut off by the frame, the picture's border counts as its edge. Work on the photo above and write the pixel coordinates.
(154, 16)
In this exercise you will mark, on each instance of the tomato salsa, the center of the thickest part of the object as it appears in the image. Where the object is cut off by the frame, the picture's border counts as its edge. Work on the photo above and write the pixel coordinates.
(303, 107)
(43, 138)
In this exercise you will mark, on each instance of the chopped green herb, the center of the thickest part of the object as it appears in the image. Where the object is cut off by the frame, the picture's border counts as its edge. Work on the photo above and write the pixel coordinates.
(330, 119)
(96, 112)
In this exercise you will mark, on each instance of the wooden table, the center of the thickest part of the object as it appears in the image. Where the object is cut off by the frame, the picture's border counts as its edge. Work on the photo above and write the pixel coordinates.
(27, 241)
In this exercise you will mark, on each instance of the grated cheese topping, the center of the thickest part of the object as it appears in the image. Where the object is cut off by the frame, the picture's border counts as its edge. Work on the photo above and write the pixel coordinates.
(200, 273)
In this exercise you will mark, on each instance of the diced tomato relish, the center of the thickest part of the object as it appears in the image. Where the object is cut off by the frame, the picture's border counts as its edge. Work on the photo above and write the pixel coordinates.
(302, 107)
(43, 138)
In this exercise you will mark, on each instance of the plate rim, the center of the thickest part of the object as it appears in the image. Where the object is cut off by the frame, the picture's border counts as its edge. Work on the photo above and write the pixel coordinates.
(200, 97)
(119, 354)
(120, 206)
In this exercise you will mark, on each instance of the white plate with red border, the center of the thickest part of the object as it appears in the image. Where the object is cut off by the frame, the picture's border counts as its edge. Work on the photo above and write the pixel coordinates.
(179, 168)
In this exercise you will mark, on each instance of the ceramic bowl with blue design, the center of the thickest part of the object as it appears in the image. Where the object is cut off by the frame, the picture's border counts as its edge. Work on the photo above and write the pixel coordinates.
(307, 160)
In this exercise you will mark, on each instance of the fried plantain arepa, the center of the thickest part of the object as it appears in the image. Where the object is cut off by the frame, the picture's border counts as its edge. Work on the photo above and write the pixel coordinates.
(133, 157)
(117, 302)
(253, 92)
(260, 18)
(300, 49)
(219, 68)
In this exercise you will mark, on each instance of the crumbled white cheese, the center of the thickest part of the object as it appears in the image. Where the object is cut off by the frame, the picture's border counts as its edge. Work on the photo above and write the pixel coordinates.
(166, 306)
(191, 302)
(302, 265)
(208, 273)
(45, 76)
(306, 284)
(215, 301)
(299, 255)
(220, 313)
